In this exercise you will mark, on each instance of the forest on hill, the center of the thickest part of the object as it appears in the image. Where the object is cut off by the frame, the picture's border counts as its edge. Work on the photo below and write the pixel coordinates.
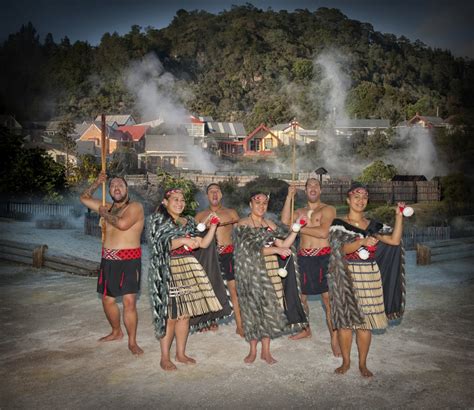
(244, 64)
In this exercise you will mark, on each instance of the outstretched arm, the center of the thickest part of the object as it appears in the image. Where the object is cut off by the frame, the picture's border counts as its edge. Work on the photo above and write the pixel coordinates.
(87, 196)
(288, 241)
(396, 236)
(286, 211)
(207, 239)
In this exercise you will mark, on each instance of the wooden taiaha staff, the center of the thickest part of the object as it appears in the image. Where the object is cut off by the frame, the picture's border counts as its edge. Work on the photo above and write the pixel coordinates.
(103, 154)
(293, 168)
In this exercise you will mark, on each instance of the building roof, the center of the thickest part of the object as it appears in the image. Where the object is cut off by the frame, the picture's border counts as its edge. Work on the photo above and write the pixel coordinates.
(280, 127)
(409, 178)
(260, 128)
(82, 128)
(137, 132)
(119, 119)
(152, 123)
(232, 128)
(204, 118)
(166, 143)
(8, 121)
(197, 120)
(362, 123)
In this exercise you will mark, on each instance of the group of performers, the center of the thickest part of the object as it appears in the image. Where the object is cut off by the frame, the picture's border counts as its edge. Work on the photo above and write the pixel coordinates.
(204, 269)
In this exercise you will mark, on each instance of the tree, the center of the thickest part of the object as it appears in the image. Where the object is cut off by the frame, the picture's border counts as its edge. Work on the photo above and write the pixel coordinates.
(378, 171)
(28, 171)
(87, 170)
(374, 145)
(167, 181)
(65, 130)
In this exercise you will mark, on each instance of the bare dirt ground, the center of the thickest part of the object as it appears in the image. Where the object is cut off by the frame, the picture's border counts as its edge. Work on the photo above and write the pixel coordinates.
(50, 357)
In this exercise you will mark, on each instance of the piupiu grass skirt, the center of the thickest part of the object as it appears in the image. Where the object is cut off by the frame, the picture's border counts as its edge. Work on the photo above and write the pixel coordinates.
(271, 264)
(190, 291)
(368, 290)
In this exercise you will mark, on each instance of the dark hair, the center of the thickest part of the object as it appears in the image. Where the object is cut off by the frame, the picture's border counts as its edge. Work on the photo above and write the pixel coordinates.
(357, 185)
(161, 209)
(309, 179)
(212, 184)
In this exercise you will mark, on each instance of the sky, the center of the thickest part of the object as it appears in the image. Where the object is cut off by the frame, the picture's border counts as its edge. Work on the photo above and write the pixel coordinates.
(445, 24)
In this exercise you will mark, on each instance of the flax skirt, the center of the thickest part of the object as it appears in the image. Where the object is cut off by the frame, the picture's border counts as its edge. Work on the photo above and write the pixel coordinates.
(368, 290)
(190, 291)
(271, 264)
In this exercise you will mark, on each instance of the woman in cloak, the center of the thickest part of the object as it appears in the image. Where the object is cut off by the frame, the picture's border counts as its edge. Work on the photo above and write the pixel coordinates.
(366, 276)
(266, 279)
(179, 286)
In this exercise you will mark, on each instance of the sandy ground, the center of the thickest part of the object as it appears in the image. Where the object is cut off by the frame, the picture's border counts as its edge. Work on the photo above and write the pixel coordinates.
(50, 357)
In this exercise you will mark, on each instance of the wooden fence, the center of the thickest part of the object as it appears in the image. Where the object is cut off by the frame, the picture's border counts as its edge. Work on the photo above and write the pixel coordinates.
(414, 235)
(9, 209)
(333, 191)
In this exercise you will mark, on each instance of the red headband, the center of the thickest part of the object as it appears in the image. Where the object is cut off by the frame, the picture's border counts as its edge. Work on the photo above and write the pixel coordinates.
(359, 190)
(261, 193)
(173, 191)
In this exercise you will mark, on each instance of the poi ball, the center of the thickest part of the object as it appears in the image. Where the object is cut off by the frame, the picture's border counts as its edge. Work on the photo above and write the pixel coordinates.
(408, 211)
(201, 227)
(296, 227)
(282, 272)
(363, 254)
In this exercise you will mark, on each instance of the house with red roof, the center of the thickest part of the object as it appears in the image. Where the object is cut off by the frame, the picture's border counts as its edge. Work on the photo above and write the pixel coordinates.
(260, 143)
(137, 133)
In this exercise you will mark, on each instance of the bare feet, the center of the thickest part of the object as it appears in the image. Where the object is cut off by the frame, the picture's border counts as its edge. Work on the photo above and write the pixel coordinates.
(336, 349)
(268, 358)
(343, 369)
(185, 359)
(135, 349)
(301, 335)
(250, 358)
(240, 331)
(214, 327)
(114, 335)
(365, 372)
(167, 365)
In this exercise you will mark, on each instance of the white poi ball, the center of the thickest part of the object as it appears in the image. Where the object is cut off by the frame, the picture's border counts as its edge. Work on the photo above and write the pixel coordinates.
(296, 227)
(408, 211)
(363, 253)
(201, 227)
(282, 272)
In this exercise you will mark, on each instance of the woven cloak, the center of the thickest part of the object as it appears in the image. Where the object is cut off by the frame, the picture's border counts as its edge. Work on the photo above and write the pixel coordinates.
(161, 231)
(262, 314)
(345, 309)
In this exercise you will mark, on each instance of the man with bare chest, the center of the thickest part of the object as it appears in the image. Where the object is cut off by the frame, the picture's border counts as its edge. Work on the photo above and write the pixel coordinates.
(120, 269)
(314, 250)
(228, 217)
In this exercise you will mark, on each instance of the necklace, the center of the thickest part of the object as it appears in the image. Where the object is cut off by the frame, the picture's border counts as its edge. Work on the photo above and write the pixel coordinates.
(355, 223)
(261, 223)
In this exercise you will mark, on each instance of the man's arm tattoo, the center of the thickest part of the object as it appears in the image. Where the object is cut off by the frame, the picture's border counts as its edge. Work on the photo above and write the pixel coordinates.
(90, 191)
(111, 219)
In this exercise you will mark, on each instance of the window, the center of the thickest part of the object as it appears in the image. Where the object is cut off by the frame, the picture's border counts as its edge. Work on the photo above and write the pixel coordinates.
(255, 144)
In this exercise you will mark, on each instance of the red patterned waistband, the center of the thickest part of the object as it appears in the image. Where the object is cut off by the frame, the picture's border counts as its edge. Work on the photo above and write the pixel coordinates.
(225, 249)
(181, 251)
(121, 254)
(314, 251)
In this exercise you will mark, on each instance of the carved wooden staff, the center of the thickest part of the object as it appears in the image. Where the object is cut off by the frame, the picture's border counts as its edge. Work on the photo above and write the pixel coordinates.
(294, 124)
(103, 153)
